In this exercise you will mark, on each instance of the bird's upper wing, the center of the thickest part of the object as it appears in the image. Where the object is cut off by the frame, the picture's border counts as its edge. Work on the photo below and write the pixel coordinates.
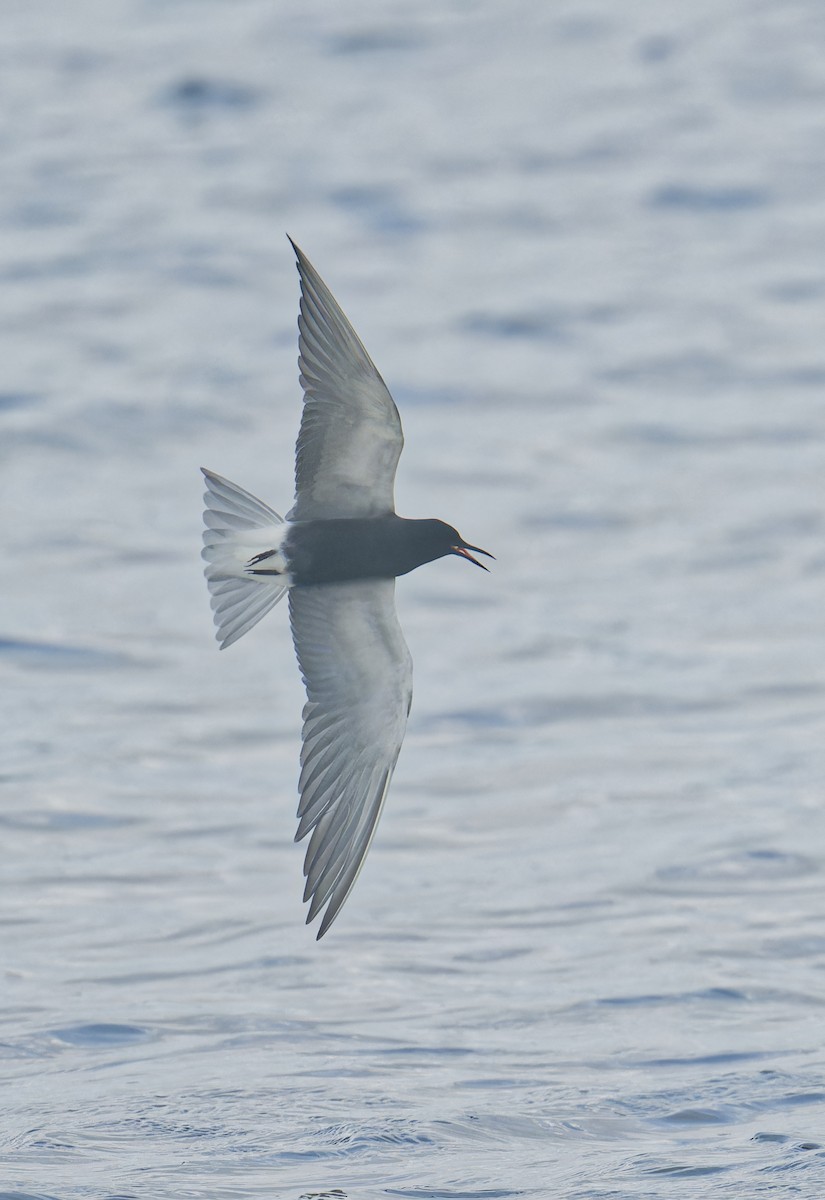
(358, 675)
(350, 438)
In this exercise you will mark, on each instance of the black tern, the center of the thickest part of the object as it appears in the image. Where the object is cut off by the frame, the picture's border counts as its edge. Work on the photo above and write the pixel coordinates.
(337, 553)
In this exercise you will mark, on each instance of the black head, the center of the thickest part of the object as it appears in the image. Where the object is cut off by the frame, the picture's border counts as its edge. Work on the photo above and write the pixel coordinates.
(446, 540)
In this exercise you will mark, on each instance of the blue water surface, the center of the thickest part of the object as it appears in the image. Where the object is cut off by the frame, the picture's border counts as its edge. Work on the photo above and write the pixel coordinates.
(583, 243)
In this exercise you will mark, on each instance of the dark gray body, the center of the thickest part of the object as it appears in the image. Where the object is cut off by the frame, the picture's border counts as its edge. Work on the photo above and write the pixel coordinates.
(363, 548)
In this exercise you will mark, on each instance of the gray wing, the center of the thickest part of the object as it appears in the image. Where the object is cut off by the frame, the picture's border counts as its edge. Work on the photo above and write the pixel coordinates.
(358, 675)
(350, 438)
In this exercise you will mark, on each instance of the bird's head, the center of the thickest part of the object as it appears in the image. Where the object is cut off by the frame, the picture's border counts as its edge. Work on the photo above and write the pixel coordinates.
(453, 543)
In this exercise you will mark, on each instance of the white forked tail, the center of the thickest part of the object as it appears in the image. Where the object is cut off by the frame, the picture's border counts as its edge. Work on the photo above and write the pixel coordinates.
(238, 529)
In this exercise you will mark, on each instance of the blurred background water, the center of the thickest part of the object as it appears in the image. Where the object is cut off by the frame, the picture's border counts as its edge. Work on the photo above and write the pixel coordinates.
(583, 242)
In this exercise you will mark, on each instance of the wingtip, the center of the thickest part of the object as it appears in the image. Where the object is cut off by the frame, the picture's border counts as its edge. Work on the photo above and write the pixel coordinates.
(304, 266)
(325, 923)
(326, 920)
(321, 931)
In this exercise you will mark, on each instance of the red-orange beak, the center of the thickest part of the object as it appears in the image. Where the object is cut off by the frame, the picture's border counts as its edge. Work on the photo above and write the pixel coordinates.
(464, 551)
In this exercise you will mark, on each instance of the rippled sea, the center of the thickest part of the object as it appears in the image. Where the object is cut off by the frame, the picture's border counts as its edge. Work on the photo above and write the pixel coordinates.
(583, 243)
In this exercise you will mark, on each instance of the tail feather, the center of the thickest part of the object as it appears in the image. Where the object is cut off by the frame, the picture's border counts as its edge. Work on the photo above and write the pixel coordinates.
(239, 527)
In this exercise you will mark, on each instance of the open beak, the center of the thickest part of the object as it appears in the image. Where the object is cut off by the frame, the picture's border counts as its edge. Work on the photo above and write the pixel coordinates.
(464, 551)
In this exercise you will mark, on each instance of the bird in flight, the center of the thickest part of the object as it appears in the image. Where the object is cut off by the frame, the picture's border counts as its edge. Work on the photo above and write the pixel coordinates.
(337, 553)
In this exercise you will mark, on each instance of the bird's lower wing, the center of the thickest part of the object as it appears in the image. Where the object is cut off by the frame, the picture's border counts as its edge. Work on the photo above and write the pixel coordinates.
(358, 675)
